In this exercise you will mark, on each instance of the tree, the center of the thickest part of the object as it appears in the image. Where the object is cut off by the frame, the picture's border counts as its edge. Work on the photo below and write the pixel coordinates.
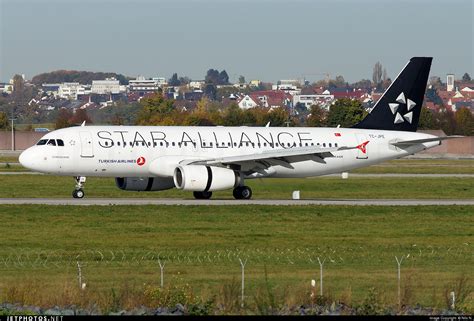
(464, 121)
(426, 119)
(466, 77)
(210, 91)
(212, 77)
(80, 116)
(377, 74)
(444, 119)
(4, 124)
(63, 118)
(317, 116)
(18, 84)
(278, 117)
(174, 81)
(233, 116)
(155, 108)
(223, 78)
(345, 112)
(241, 79)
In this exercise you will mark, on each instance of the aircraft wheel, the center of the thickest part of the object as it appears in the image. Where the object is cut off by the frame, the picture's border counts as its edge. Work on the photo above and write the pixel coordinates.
(242, 193)
(78, 193)
(202, 195)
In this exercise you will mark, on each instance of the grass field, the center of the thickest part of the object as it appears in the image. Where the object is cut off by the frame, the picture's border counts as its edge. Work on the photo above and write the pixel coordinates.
(118, 247)
(323, 187)
(399, 166)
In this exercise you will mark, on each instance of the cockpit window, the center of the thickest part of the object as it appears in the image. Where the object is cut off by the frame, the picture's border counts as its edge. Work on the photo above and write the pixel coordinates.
(42, 142)
(52, 142)
(60, 142)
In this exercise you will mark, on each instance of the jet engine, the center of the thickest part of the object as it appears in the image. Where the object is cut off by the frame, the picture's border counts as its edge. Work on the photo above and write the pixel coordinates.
(144, 183)
(200, 178)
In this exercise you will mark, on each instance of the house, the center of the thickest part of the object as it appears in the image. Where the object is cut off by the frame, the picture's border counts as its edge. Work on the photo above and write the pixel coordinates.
(266, 98)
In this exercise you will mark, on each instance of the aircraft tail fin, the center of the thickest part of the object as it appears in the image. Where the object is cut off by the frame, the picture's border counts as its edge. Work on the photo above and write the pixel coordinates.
(399, 107)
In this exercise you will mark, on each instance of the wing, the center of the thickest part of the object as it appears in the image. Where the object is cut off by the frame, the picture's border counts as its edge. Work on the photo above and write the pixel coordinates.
(405, 143)
(265, 159)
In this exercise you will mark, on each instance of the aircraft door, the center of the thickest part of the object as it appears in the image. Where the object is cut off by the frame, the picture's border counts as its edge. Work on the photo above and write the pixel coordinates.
(87, 149)
(362, 150)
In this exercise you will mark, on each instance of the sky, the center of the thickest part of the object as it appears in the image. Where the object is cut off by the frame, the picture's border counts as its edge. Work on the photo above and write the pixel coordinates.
(259, 39)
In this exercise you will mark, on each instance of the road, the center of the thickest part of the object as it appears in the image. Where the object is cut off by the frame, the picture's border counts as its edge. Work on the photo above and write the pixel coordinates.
(222, 202)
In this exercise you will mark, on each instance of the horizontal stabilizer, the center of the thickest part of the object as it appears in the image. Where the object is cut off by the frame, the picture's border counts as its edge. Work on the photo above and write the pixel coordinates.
(405, 143)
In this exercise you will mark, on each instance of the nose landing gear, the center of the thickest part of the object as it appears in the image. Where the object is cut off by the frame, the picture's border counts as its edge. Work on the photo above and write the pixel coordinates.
(78, 191)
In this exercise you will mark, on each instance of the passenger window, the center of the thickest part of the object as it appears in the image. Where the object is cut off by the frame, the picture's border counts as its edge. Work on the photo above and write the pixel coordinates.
(118, 143)
(330, 145)
(60, 142)
(106, 143)
(161, 143)
(324, 144)
(42, 142)
(52, 142)
(172, 144)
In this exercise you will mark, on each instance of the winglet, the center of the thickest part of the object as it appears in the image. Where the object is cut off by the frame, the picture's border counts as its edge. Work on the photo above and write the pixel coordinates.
(268, 124)
(83, 123)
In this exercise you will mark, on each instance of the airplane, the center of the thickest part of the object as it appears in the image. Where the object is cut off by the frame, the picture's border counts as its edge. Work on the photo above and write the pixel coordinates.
(207, 159)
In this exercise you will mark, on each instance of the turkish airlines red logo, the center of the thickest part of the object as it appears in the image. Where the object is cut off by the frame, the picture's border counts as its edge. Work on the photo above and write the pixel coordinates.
(362, 148)
(141, 161)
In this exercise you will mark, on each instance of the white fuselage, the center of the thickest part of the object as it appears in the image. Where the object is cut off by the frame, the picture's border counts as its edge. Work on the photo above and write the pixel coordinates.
(155, 151)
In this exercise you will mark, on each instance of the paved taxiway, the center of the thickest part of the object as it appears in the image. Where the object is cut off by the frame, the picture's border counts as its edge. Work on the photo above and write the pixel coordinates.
(330, 175)
(230, 202)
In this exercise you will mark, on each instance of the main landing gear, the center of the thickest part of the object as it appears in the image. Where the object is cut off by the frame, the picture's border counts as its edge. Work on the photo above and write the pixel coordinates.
(78, 191)
(240, 193)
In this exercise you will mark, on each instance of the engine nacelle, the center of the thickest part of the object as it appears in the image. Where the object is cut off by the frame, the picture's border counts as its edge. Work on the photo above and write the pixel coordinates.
(144, 183)
(200, 178)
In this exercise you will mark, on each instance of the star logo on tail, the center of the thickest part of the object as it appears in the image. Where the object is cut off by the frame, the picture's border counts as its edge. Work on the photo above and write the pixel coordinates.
(394, 107)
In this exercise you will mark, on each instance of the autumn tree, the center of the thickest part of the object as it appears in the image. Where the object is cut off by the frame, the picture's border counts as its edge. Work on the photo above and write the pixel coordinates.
(4, 124)
(464, 122)
(345, 112)
(63, 118)
(155, 110)
(80, 116)
(316, 117)
(426, 119)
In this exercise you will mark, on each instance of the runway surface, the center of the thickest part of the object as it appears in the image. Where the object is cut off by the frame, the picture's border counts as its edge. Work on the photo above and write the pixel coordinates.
(230, 202)
(330, 175)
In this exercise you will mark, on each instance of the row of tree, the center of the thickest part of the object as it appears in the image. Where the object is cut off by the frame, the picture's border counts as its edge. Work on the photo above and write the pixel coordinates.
(82, 77)
(157, 110)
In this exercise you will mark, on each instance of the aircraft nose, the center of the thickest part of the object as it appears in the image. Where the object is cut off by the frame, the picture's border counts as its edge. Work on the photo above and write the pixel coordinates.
(27, 158)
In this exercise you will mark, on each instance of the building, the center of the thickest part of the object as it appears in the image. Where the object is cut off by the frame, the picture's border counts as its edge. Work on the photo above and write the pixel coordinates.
(107, 86)
(70, 90)
(197, 84)
(450, 82)
(141, 85)
(6, 88)
(266, 98)
(323, 100)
